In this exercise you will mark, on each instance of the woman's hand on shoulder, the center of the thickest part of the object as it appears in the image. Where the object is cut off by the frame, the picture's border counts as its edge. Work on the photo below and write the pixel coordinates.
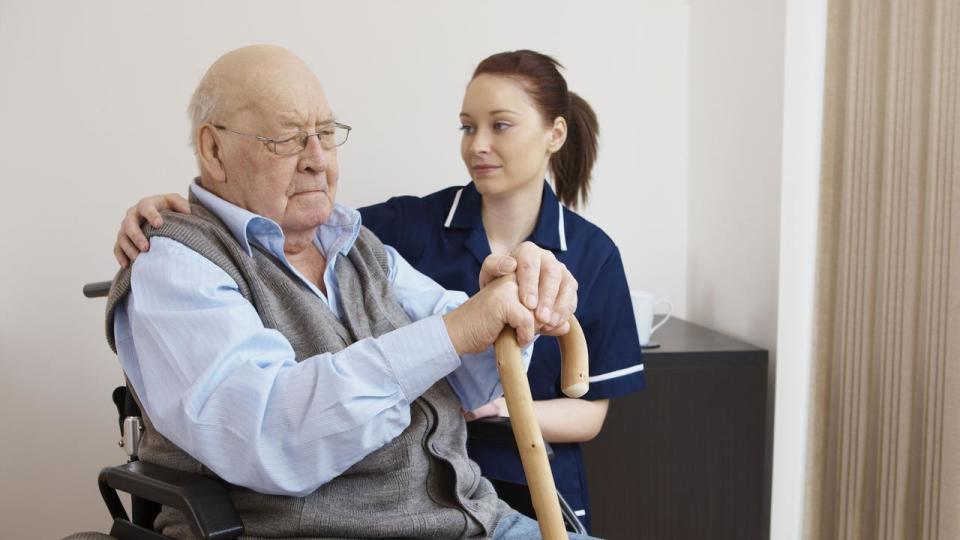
(131, 241)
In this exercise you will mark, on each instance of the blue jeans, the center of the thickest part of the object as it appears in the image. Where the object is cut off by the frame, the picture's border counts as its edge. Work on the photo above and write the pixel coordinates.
(520, 527)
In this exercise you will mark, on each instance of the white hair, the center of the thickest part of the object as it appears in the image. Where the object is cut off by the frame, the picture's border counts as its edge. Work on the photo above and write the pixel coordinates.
(203, 105)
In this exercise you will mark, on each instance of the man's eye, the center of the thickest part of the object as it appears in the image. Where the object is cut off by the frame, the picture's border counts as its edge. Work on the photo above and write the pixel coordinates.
(467, 130)
(290, 139)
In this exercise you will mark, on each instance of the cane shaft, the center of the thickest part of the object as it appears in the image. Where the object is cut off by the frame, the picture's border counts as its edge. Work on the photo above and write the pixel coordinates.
(526, 430)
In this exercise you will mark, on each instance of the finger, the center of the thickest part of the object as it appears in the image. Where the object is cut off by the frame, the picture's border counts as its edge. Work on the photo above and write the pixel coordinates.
(528, 273)
(120, 255)
(551, 277)
(128, 248)
(130, 228)
(521, 320)
(178, 203)
(150, 213)
(558, 330)
(495, 266)
(566, 303)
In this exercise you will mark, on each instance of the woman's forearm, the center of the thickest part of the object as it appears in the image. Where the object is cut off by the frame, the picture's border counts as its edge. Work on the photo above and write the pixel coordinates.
(566, 420)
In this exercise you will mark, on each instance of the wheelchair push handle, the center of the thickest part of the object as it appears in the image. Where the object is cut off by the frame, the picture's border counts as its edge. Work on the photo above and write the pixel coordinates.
(526, 430)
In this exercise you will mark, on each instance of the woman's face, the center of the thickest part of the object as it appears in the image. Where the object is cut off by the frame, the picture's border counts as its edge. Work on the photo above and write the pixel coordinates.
(506, 142)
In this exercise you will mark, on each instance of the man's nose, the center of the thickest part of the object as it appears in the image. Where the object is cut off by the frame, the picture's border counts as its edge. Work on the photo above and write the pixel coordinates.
(313, 159)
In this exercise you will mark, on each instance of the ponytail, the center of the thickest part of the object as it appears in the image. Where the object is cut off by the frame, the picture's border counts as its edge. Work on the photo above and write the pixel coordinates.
(573, 163)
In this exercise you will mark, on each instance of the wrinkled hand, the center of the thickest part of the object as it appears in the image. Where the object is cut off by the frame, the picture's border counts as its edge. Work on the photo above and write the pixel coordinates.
(497, 407)
(476, 324)
(130, 239)
(544, 285)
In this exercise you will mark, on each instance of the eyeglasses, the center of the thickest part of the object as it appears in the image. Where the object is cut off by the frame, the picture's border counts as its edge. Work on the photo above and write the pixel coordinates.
(293, 143)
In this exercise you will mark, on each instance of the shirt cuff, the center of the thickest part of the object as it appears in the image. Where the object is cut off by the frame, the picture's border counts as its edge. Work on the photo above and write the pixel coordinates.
(420, 354)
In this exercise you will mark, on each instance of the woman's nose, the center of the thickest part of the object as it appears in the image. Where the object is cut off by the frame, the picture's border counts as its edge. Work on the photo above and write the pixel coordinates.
(480, 142)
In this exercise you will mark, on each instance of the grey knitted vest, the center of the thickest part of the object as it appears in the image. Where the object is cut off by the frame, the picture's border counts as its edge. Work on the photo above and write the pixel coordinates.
(419, 485)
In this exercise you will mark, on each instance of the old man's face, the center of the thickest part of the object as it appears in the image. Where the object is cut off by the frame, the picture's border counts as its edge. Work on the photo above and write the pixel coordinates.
(278, 99)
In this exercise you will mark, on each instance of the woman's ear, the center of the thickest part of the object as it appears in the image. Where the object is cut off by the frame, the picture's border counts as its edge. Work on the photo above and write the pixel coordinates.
(558, 135)
(210, 153)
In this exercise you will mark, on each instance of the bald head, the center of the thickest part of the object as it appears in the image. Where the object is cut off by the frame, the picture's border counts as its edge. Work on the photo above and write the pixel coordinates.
(252, 82)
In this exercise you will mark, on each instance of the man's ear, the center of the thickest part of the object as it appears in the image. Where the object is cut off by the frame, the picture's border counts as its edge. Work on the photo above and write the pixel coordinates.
(210, 153)
(558, 135)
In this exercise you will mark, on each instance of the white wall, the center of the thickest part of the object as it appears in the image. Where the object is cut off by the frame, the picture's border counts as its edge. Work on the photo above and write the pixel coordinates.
(804, 63)
(93, 100)
(756, 102)
(736, 133)
(736, 100)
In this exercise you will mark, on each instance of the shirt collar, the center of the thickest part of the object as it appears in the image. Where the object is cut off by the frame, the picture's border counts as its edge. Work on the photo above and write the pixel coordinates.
(338, 234)
(548, 233)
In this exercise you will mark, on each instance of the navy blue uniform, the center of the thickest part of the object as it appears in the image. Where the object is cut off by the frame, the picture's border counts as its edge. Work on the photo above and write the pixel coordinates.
(442, 236)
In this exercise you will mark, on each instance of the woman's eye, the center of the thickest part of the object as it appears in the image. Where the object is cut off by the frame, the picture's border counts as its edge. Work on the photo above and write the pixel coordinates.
(500, 126)
(467, 130)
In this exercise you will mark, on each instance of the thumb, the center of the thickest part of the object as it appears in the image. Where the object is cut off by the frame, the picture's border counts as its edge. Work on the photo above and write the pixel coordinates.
(496, 266)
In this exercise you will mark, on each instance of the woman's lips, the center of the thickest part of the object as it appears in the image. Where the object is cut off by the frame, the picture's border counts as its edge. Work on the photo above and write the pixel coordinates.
(485, 169)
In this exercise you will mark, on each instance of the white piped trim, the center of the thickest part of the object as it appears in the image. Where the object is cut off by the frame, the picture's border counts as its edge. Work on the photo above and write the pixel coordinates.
(618, 373)
(562, 231)
(453, 208)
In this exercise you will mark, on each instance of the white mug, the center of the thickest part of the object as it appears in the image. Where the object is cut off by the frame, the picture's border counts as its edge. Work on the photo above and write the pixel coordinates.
(644, 304)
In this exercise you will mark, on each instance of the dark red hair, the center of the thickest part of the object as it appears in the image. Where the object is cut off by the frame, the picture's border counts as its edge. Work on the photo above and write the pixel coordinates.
(540, 76)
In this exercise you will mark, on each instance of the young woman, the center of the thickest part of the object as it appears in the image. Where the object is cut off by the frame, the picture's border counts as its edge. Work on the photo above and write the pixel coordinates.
(519, 124)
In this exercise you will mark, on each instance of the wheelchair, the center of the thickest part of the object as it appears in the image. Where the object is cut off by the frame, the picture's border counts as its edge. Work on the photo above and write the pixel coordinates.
(205, 501)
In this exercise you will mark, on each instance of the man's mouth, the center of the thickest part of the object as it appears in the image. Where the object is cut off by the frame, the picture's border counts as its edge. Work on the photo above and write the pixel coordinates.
(309, 191)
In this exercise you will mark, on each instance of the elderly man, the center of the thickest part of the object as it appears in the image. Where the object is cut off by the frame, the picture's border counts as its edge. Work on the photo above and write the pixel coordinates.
(268, 338)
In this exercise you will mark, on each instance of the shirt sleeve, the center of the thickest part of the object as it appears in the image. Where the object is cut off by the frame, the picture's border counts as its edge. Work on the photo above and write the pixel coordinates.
(616, 363)
(230, 392)
(476, 381)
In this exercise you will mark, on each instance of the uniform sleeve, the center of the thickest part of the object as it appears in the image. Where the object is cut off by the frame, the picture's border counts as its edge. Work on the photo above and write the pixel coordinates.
(401, 223)
(606, 314)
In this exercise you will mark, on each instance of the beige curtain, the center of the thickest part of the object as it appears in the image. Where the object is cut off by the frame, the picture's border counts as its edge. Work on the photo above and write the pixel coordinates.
(885, 444)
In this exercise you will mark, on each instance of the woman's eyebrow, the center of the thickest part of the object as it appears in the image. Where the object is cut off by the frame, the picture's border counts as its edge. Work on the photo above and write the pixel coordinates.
(495, 111)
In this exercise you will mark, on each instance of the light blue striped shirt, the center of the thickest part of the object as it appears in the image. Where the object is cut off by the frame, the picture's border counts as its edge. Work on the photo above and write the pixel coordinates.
(229, 391)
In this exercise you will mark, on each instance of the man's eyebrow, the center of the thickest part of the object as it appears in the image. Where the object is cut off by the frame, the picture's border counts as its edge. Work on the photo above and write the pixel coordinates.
(297, 121)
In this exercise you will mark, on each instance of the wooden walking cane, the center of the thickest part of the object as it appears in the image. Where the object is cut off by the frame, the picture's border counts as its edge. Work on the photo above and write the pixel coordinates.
(526, 430)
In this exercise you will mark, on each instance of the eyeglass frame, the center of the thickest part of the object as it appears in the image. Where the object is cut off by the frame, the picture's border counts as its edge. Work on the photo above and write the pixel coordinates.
(271, 143)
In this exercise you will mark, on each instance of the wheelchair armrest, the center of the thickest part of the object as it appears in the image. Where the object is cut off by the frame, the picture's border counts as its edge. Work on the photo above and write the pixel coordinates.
(97, 289)
(498, 429)
(203, 500)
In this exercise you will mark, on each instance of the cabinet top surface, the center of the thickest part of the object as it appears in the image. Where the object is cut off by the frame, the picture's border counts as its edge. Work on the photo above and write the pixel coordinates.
(678, 336)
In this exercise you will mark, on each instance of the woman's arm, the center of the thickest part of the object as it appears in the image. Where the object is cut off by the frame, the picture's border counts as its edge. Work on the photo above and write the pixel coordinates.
(567, 420)
(562, 420)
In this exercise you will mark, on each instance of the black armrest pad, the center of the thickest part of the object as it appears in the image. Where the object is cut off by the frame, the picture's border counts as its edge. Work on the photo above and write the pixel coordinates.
(203, 500)
(97, 290)
(497, 429)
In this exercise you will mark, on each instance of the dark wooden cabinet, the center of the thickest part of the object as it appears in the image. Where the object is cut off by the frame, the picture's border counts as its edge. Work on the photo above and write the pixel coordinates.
(684, 459)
